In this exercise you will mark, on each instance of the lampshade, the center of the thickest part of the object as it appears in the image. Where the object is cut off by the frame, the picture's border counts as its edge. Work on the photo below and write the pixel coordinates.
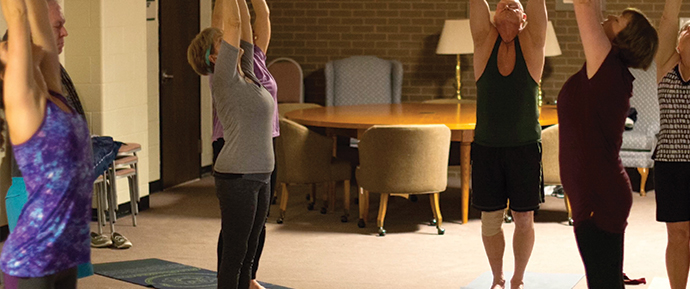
(456, 38)
(552, 48)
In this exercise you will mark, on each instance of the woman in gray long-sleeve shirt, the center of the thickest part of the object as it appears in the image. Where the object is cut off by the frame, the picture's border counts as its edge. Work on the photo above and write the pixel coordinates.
(244, 165)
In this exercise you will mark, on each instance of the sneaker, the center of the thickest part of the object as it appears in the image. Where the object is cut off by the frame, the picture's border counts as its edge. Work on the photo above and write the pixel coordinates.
(558, 192)
(120, 241)
(100, 241)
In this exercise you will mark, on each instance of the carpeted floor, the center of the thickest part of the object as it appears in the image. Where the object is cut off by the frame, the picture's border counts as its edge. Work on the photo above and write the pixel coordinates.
(311, 250)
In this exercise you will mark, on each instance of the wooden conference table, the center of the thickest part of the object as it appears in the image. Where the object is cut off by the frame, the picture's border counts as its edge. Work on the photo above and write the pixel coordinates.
(353, 120)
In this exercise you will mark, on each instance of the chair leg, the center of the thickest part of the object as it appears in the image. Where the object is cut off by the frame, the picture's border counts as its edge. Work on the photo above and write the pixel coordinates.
(99, 209)
(104, 198)
(331, 196)
(136, 182)
(329, 200)
(644, 173)
(433, 210)
(507, 217)
(312, 200)
(366, 205)
(383, 206)
(283, 203)
(568, 208)
(362, 208)
(436, 208)
(111, 197)
(132, 200)
(346, 201)
(113, 190)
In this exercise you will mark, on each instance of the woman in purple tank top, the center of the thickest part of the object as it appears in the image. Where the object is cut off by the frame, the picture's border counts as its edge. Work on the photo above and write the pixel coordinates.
(52, 148)
(592, 107)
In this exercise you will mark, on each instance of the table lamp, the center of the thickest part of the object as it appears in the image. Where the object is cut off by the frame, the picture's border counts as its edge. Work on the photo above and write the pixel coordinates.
(456, 38)
(552, 49)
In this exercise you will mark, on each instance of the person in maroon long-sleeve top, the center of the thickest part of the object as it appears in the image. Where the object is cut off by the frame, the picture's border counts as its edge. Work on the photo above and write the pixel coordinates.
(592, 107)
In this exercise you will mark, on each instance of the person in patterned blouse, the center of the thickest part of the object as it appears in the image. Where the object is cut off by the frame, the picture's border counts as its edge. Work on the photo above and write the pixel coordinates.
(672, 155)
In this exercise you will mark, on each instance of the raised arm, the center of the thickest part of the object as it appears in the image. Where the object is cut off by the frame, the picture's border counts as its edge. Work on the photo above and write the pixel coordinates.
(42, 36)
(217, 16)
(666, 55)
(537, 20)
(231, 22)
(262, 25)
(480, 21)
(18, 75)
(23, 99)
(246, 23)
(596, 44)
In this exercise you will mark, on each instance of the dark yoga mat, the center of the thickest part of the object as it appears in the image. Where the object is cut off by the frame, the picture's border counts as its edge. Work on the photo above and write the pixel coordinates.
(161, 274)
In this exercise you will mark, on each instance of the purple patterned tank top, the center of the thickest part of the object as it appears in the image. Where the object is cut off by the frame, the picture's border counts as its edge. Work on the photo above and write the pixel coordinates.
(52, 233)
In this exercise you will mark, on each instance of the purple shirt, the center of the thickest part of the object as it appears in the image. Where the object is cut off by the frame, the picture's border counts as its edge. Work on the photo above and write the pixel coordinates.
(267, 81)
(52, 233)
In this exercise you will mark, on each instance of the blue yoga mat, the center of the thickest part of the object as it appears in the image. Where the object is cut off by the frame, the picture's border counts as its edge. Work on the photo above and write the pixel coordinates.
(532, 280)
(161, 274)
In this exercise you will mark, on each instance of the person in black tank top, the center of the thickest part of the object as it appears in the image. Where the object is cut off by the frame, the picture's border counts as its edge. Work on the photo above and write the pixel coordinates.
(506, 152)
(592, 107)
(672, 154)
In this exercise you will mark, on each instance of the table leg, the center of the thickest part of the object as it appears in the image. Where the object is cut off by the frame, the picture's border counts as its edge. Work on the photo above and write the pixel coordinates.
(465, 176)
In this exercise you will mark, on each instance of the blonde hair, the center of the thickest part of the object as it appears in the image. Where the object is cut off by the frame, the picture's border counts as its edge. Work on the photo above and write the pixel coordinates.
(196, 52)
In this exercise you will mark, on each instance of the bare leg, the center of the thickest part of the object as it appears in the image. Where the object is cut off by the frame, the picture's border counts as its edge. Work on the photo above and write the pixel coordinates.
(678, 254)
(494, 247)
(255, 285)
(523, 242)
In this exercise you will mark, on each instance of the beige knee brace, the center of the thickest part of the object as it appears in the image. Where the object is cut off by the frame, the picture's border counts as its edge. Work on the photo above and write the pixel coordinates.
(492, 222)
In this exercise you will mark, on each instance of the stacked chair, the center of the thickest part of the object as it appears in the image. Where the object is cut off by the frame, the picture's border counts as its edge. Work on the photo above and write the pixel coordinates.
(124, 166)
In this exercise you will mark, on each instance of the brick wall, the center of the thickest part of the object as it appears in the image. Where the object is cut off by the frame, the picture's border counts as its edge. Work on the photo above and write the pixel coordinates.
(314, 32)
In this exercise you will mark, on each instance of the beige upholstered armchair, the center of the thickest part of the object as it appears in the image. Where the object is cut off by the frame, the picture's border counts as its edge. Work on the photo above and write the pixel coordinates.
(549, 160)
(305, 157)
(401, 160)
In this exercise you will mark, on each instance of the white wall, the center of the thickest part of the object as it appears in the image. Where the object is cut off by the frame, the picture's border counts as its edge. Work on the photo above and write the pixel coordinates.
(153, 97)
(106, 56)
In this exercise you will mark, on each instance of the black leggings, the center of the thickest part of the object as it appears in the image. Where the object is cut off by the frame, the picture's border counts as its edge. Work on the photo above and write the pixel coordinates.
(217, 146)
(602, 255)
(66, 279)
(244, 202)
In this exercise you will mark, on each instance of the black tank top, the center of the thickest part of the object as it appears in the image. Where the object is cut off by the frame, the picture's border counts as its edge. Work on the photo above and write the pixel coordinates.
(507, 111)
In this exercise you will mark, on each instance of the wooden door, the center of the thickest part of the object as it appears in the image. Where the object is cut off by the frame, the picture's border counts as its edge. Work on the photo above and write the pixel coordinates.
(180, 94)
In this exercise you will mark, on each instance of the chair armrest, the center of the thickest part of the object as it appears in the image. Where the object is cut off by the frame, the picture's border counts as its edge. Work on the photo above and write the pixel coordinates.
(396, 81)
(330, 84)
(307, 153)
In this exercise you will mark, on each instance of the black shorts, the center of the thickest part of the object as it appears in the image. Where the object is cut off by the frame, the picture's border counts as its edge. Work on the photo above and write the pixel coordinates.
(500, 174)
(672, 191)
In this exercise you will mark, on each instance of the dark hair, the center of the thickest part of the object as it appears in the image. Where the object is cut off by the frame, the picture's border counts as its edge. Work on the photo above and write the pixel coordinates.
(638, 41)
